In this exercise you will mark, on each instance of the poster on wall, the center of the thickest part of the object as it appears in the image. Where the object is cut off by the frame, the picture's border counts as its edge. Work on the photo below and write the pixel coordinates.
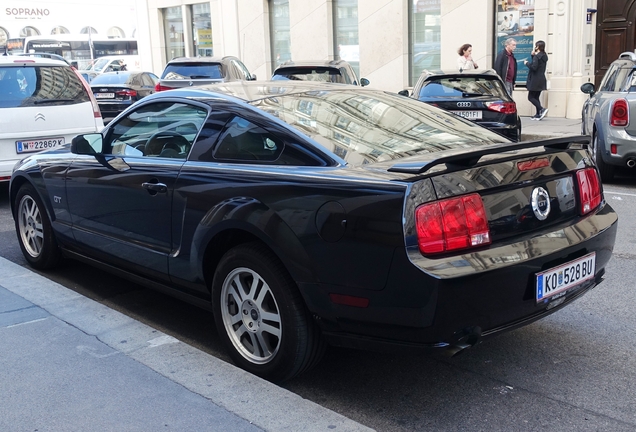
(515, 19)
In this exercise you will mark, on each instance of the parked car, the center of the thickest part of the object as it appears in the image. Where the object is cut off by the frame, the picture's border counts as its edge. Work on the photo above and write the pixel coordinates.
(43, 104)
(303, 214)
(189, 71)
(606, 117)
(116, 91)
(115, 63)
(477, 95)
(331, 71)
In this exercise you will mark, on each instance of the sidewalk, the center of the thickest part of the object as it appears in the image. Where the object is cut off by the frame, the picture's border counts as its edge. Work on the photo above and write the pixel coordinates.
(549, 127)
(68, 363)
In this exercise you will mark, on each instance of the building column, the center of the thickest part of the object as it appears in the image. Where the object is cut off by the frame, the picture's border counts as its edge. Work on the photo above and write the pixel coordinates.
(311, 29)
(384, 43)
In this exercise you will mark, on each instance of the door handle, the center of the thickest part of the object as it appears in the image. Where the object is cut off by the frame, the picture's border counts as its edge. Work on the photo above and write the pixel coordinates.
(155, 187)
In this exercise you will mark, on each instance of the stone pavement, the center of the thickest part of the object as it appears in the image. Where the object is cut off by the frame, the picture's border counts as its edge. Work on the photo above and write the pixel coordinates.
(68, 363)
(549, 127)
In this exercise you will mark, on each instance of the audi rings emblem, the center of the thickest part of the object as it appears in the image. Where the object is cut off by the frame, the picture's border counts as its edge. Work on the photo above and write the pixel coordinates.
(540, 202)
(464, 104)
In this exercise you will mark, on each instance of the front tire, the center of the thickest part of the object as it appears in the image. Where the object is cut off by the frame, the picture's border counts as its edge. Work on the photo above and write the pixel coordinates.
(35, 233)
(261, 317)
(605, 170)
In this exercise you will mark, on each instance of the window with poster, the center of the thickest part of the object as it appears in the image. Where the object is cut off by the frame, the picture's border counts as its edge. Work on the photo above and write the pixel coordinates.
(515, 19)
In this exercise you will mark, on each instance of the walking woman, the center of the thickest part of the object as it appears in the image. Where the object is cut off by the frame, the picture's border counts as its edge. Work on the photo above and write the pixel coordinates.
(536, 81)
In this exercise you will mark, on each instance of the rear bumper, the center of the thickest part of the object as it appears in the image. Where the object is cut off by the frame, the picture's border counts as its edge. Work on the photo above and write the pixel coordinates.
(625, 146)
(462, 301)
(113, 109)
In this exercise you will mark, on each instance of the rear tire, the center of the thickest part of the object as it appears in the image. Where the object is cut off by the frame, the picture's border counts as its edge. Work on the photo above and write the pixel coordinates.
(35, 233)
(605, 170)
(261, 316)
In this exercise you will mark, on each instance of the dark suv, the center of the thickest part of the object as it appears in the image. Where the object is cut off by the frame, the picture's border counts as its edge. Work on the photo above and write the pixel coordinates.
(606, 117)
(191, 71)
(333, 71)
(476, 95)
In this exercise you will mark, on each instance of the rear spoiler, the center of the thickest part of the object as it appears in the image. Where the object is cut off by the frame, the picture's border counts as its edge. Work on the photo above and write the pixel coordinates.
(467, 158)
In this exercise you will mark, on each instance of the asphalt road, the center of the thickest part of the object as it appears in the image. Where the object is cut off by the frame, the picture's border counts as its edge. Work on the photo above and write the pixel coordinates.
(572, 371)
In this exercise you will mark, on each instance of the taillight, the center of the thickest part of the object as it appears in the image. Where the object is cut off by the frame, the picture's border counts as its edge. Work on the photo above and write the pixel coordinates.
(589, 189)
(452, 224)
(502, 107)
(619, 115)
(159, 87)
(96, 112)
(131, 93)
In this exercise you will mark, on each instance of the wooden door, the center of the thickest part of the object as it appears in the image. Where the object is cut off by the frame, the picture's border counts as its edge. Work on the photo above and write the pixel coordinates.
(614, 33)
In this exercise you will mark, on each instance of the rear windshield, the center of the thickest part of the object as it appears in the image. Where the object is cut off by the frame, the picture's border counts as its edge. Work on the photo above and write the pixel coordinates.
(111, 78)
(321, 74)
(458, 87)
(25, 86)
(373, 126)
(193, 71)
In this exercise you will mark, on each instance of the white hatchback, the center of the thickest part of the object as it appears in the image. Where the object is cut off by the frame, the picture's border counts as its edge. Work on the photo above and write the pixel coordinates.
(44, 103)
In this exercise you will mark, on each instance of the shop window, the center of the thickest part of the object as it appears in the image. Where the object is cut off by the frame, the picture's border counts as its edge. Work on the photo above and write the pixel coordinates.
(425, 37)
(29, 31)
(115, 32)
(346, 32)
(279, 27)
(202, 30)
(88, 30)
(173, 32)
(59, 30)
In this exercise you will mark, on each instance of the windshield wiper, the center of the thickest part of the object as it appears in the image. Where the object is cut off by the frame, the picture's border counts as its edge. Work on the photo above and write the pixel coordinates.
(44, 101)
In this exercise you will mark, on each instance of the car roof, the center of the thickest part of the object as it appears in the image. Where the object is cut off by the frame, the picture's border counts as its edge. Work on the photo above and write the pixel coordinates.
(310, 63)
(201, 59)
(455, 72)
(250, 91)
(18, 60)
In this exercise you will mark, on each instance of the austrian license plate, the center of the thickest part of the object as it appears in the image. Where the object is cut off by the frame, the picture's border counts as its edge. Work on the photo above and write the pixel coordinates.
(38, 145)
(104, 95)
(470, 115)
(559, 279)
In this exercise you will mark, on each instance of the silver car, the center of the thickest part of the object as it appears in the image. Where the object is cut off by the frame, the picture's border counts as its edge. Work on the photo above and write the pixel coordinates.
(606, 116)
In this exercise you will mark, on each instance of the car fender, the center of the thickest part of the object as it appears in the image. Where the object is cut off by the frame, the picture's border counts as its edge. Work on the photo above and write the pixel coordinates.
(247, 218)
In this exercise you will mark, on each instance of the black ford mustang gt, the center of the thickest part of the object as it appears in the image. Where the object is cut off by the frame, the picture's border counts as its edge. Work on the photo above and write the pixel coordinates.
(304, 215)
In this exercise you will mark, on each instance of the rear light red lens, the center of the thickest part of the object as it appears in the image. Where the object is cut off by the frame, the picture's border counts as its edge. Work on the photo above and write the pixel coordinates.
(130, 93)
(347, 300)
(613, 149)
(619, 115)
(502, 107)
(533, 164)
(589, 189)
(452, 224)
(159, 87)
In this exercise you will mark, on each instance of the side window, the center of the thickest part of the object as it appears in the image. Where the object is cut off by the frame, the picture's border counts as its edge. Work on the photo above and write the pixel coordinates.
(241, 70)
(164, 130)
(147, 82)
(609, 79)
(242, 140)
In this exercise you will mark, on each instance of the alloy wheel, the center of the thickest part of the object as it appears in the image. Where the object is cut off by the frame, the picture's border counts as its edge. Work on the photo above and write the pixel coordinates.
(30, 226)
(251, 316)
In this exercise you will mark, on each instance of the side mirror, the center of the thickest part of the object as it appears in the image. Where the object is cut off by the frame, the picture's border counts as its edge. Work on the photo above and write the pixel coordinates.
(252, 77)
(87, 144)
(404, 93)
(588, 88)
(364, 82)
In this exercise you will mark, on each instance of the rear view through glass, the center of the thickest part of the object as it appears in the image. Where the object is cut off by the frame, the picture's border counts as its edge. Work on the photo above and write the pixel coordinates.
(193, 71)
(40, 85)
(463, 87)
(310, 74)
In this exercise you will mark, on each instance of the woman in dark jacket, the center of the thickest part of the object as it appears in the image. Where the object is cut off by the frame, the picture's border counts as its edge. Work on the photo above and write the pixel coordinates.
(536, 81)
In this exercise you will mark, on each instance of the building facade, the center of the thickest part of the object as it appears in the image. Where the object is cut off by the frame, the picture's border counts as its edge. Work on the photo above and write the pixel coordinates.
(388, 42)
